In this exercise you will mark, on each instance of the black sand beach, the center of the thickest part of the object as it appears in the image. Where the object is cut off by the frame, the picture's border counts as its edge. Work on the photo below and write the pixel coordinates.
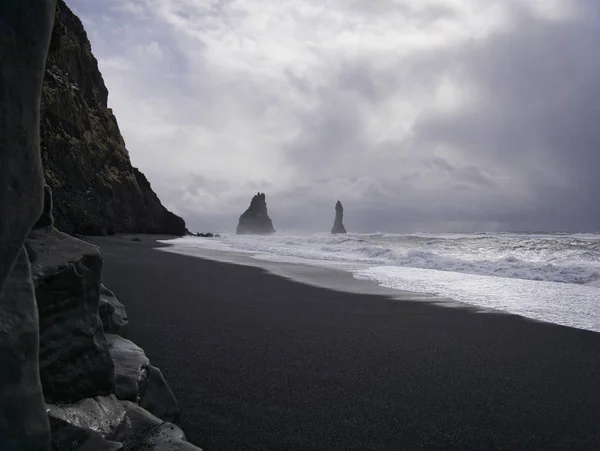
(259, 362)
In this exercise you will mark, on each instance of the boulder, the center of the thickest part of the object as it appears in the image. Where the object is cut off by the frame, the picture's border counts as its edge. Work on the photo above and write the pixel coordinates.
(157, 398)
(74, 359)
(107, 419)
(68, 437)
(97, 191)
(255, 220)
(138, 381)
(112, 313)
(104, 415)
(131, 367)
(25, 28)
(149, 433)
(338, 225)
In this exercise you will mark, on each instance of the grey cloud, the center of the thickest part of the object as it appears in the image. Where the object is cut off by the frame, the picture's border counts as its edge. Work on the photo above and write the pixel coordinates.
(523, 151)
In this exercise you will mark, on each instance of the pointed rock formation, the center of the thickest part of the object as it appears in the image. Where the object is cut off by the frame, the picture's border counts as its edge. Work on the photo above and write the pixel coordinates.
(338, 225)
(255, 220)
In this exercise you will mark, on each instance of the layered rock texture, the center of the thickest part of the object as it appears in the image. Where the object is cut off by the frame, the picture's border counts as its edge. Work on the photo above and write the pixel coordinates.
(338, 222)
(255, 220)
(96, 189)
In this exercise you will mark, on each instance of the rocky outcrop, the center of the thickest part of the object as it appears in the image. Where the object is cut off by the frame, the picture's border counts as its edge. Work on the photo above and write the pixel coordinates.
(338, 224)
(96, 189)
(138, 381)
(112, 313)
(24, 35)
(74, 359)
(255, 220)
(67, 437)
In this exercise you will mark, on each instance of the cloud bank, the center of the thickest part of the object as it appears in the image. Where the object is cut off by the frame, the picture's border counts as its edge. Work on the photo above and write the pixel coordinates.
(419, 115)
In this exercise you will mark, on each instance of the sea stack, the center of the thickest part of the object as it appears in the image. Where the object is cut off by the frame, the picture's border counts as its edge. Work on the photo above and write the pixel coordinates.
(338, 224)
(255, 220)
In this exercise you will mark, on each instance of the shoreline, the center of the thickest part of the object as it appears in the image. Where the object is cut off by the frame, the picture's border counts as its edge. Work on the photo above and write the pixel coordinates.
(259, 361)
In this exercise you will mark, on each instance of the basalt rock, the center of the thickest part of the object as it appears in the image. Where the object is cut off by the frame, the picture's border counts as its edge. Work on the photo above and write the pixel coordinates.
(67, 437)
(255, 220)
(138, 381)
(74, 359)
(104, 415)
(157, 397)
(124, 422)
(112, 313)
(149, 433)
(131, 367)
(47, 217)
(96, 189)
(23, 422)
(25, 28)
(338, 224)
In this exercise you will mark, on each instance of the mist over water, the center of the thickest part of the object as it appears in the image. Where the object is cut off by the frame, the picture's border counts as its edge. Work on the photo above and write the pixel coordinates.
(549, 277)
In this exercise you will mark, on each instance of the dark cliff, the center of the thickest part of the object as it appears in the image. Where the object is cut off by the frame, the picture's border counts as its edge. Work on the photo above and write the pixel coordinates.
(96, 189)
(255, 220)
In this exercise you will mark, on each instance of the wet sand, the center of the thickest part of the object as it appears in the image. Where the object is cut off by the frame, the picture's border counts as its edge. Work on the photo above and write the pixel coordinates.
(261, 362)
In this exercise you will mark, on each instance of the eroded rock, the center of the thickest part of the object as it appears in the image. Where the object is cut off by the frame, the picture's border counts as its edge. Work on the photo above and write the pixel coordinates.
(47, 218)
(255, 220)
(156, 397)
(68, 437)
(338, 224)
(104, 415)
(74, 359)
(149, 433)
(25, 28)
(23, 422)
(131, 367)
(112, 313)
(138, 381)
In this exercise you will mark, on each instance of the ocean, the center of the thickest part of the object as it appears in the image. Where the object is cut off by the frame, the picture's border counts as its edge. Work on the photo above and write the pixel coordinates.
(547, 277)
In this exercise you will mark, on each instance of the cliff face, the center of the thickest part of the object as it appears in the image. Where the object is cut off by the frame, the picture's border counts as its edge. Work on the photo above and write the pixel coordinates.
(96, 190)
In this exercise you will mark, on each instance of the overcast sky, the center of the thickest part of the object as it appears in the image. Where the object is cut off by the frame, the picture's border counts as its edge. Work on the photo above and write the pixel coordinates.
(431, 115)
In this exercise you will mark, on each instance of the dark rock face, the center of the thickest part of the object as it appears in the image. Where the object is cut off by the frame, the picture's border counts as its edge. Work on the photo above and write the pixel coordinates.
(117, 421)
(112, 313)
(104, 415)
(47, 217)
(66, 437)
(255, 220)
(158, 399)
(96, 189)
(151, 434)
(74, 359)
(25, 28)
(23, 422)
(138, 381)
(131, 367)
(338, 225)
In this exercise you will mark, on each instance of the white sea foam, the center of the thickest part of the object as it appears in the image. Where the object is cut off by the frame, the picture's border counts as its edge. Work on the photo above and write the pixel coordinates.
(551, 277)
